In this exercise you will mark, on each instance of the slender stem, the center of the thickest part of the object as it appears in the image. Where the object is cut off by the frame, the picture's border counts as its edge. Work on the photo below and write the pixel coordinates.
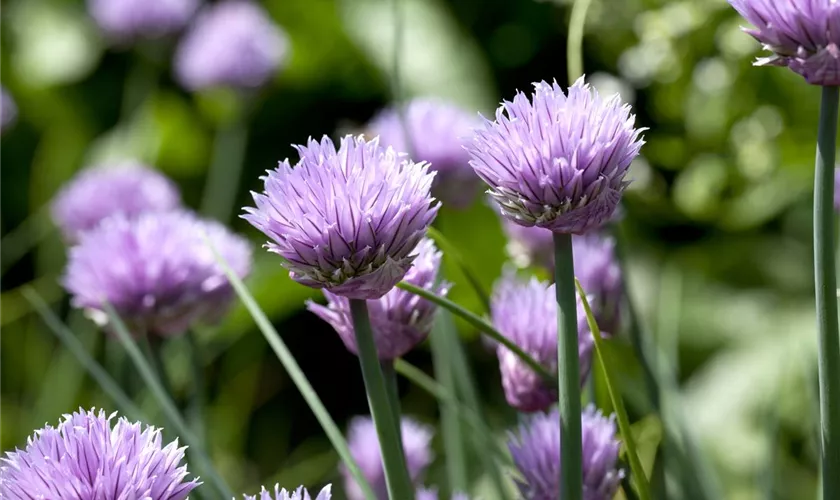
(96, 371)
(225, 169)
(197, 401)
(484, 327)
(295, 373)
(568, 370)
(20, 240)
(449, 251)
(453, 442)
(574, 45)
(393, 461)
(153, 347)
(199, 454)
(825, 282)
(139, 83)
(390, 375)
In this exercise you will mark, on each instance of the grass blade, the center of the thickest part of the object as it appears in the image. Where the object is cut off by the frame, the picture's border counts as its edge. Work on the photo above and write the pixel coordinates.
(623, 421)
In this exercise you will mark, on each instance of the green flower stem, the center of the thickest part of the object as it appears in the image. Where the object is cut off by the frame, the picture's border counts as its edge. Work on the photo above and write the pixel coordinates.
(96, 371)
(393, 461)
(626, 431)
(225, 171)
(197, 401)
(568, 370)
(296, 374)
(197, 450)
(483, 326)
(390, 375)
(825, 282)
(574, 45)
(449, 251)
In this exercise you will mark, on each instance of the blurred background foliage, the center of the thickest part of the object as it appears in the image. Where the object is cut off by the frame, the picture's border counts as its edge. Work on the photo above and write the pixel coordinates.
(717, 218)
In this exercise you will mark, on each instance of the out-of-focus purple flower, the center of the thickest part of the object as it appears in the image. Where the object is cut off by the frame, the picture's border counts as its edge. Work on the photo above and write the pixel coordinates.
(346, 220)
(802, 34)
(156, 270)
(8, 110)
(299, 494)
(232, 44)
(597, 269)
(432, 494)
(557, 161)
(127, 188)
(400, 319)
(535, 448)
(836, 189)
(436, 129)
(364, 447)
(131, 19)
(529, 245)
(85, 457)
(526, 313)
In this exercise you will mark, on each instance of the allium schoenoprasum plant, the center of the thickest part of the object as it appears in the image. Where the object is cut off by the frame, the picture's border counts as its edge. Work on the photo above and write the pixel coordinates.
(300, 493)
(804, 36)
(141, 20)
(8, 110)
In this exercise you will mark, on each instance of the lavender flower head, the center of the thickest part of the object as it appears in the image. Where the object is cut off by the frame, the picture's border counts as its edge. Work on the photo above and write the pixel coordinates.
(526, 313)
(432, 494)
(127, 188)
(400, 319)
(346, 220)
(232, 44)
(298, 494)
(86, 457)
(435, 129)
(364, 447)
(155, 270)
(535, 448)
(132, 19)
(597, 269)
(529, 245)
(557, 161)
(8, 110)
(837, 189)
(803, 35)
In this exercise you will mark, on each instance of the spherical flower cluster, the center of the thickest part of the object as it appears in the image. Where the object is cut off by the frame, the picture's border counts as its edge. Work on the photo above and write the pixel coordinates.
(432, 494)
(400, 319)
(85, 457)
(232, 44)
(282, 494)
(8, 110)
(130, 19)
(435, 129)
(557, 161)
(364, 447)
(535, 448)
(803, 35)
(155, 270)
(597, 269)
(127, 188)
(526, 313)
(346, 220)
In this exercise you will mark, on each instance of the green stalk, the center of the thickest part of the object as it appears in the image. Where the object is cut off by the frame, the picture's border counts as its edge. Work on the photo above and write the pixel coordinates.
(825, 283)
(393, 461)
(624, 428)
(574, 45)
(453, 441)
(390, 375)
(199, 454)
(483, 326)
(225, 171)
(568, 370)
(296, 374)
(449, 251)
(72, 344)
(197, 401)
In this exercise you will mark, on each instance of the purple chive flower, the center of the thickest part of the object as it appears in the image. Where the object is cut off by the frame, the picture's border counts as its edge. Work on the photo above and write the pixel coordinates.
(155, 270)
(85, 457)
(400, 319)
(837, 189)
(535, 448)
(346, 220)
(557, 161)
(132, 19)
(8, 110)
(364, 447)
(432, 494)
(802, 35)
(436, 129)
(232, 44)
(298, 494)
(127, 188)
(526, 313)
(529, 245)
(597, 269)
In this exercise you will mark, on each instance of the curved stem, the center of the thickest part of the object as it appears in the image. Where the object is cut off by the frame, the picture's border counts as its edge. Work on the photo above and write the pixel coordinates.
(826, 293)
(568, 370)
(574, 44)
(222, 184)
(393, 461)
